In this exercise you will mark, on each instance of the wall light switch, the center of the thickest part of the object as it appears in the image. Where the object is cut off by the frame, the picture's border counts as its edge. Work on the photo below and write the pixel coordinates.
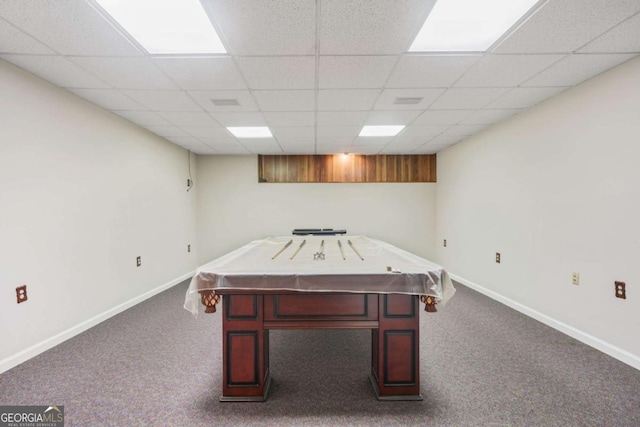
(575, 278)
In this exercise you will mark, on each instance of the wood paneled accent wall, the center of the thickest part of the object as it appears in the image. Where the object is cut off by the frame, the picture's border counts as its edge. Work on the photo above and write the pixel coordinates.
(347, 168)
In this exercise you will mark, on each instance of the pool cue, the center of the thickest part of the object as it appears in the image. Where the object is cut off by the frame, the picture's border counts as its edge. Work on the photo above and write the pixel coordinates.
(354, 249)
(341, 250)
(298, 250)
(281, 250)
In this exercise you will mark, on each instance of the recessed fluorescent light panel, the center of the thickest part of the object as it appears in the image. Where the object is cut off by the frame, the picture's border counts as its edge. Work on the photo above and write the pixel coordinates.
(250, 132)
(468, 25)
(166, 26)
(380, 130)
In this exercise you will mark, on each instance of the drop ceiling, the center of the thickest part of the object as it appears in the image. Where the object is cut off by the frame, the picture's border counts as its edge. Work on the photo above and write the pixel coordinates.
(316, 71)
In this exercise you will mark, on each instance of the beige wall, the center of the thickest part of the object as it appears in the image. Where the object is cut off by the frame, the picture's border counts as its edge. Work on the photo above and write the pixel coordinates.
(555, 190)
(234, 209)
(82, 193)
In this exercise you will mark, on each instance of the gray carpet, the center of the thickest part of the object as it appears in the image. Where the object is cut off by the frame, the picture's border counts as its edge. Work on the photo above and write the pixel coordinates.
(483, 364)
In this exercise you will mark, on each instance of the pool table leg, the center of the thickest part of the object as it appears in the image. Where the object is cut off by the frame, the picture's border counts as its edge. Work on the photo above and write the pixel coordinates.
(245, 350)
(395, 358)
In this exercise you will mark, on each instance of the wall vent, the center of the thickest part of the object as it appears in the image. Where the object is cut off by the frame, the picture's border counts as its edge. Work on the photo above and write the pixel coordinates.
(225, 102)
(408, 101)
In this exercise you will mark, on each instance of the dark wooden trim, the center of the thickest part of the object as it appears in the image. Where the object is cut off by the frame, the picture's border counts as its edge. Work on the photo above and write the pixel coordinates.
(277, 315)
(335, 168)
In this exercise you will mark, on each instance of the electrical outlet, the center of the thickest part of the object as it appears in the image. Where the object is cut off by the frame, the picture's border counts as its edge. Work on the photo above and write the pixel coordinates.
(189, 183)
(621, 290)
(445, 243)
(138, 261)
(575, 278)
(188, 248)
(21, 293)
(498, 257)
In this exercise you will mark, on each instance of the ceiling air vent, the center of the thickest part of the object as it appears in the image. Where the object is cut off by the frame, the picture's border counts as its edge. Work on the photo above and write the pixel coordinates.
(225, 102)
(408, 101)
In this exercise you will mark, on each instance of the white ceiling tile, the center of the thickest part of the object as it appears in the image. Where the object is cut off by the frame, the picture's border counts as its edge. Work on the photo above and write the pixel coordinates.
(185, 141)
(505, 70)
(365, 27)
(110, 99)
(166, 131)
(261, 145)
(229, 149)
(623, 38)
(219, 140)
(126, 73)
(366, 149)
(389, 96)
(429, 149)
(346, 132)
(441, 140)
(463, 130)
(396, 117)
(442, 117)
(347, 99)
(283, 27)
(379, 141)
(298, 145)
(323, 141)
(354, 72)
(489, 116)
(291, 141)
(189, 118)
(143, 118)
(57, 70)
(577, 68)
(413, 132)
(283, 72)
(422, 71)
(342, 118)
(337, 148)
(567, 25)
(299, 149)
(239, 119)
(205, 99)
(12, 40)
(68, 27)
(524, 97)
(202, 150)
(285, 100)
(290, 118)
(202, 73)
(467, 98)
(293, 132)
(163, 100)
(207, 132)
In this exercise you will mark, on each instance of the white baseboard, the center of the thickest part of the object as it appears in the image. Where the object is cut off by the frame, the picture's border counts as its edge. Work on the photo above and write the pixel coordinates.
(603, 346)
(45, 345)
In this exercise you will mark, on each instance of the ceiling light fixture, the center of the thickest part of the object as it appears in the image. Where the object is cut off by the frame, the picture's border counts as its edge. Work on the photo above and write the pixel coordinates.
(250, 132)
(380, 130)
(468, 25)
(166, 26)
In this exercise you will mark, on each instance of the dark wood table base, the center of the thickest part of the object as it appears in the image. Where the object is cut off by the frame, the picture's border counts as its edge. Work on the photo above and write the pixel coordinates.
(248, 317)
